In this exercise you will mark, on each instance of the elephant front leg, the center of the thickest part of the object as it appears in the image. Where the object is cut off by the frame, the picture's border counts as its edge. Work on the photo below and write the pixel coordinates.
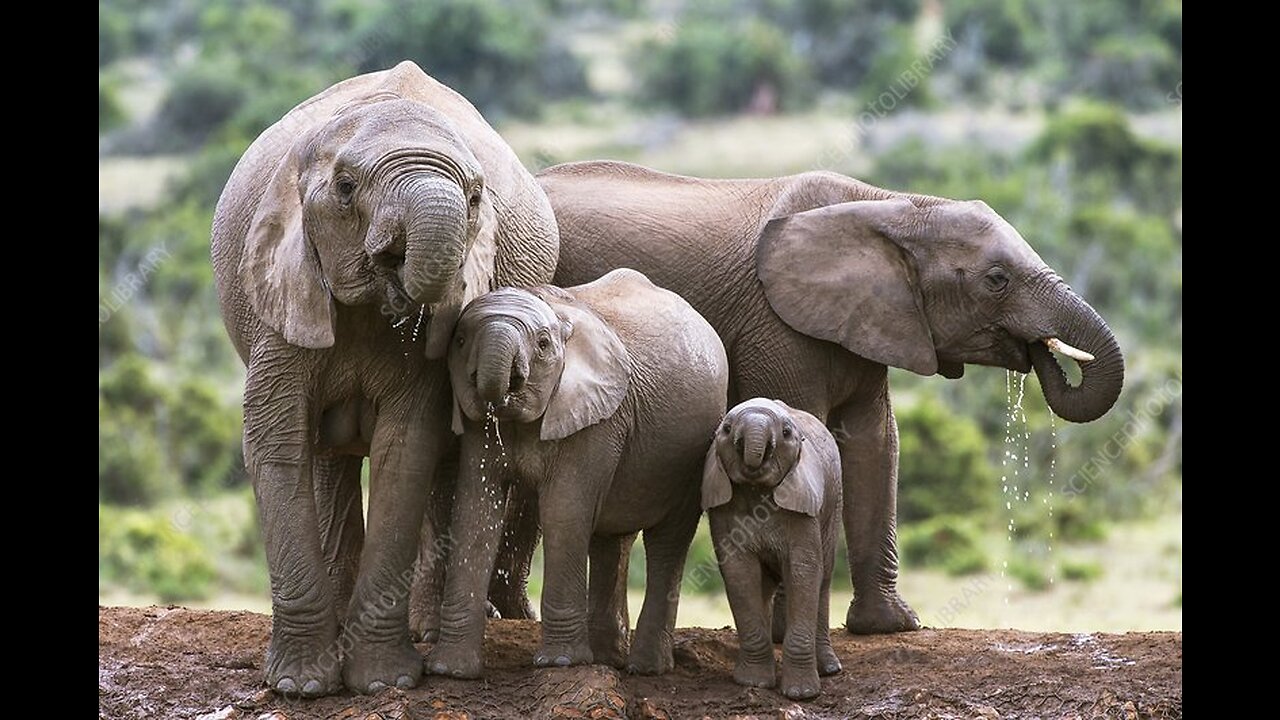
(474, 533)
(433, 553)
(803, 582)
(403, 455)
(566, 514)
(868, 438)
(744, 585)
(340, 511)
(610, 624)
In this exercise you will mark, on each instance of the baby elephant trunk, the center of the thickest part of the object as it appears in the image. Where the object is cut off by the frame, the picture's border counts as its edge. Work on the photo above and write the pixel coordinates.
(502, 368)
(755, 439)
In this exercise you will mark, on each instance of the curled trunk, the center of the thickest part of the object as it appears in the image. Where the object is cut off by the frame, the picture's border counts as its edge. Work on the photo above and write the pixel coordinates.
(1101, 379)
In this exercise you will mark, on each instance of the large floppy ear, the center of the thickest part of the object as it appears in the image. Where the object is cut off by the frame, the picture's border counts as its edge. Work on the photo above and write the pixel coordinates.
(279, 268)
(837, 273)
(801, 490)
(475, 280)
(716, 488)
(596, 375)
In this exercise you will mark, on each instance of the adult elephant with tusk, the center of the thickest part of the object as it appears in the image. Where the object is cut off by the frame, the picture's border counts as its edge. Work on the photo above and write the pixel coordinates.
(816, 284)
(345, 244)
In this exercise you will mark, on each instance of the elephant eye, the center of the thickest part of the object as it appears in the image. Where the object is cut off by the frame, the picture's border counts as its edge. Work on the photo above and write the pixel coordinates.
(726, 429)
(786, 432)
(996, 281)
(461, 341)
(345, 186)
(544, 344)
(474, 200)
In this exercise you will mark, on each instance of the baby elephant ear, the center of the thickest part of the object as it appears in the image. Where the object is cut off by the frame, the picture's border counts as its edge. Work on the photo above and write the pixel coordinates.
(596, 375)
(801, 490)
(716, 489)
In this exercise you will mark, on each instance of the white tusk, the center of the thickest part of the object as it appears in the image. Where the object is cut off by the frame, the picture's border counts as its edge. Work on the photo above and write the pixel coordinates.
(1058, 346)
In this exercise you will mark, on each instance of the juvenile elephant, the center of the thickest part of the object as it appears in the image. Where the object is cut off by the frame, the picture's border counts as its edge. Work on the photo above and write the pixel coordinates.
(817, 283)
(604, 396)
(345, 244)
(771, 488)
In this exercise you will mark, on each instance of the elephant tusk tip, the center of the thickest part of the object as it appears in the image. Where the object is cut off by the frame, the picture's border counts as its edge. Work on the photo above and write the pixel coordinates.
(1076, 354)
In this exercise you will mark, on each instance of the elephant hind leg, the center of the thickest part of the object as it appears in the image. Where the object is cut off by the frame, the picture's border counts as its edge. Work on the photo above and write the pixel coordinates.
(340, 512)
(508, 588)
(434, 544)
(665, 548)
(610, 625)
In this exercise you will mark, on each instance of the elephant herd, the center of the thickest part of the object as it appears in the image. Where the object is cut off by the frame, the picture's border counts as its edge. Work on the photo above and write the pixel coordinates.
(394, 278)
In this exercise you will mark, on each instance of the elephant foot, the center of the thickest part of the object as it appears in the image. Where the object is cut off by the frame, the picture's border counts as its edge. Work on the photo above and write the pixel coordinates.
(611, 651)
(514, 605)
(650, 658)
(828, 662)
(755, 674)
(459, 660)
(372, 667)
(800, 684)
(563, 655)
(880, 614)
(303, 666)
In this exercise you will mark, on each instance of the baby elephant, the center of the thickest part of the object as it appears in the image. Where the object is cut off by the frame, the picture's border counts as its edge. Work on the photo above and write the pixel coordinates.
(771, 486)
(603, 397)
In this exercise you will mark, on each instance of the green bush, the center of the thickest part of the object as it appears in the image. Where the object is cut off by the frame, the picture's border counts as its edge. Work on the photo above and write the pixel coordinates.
(110, 113)
(708, 68)
(1005, 32)
(201, 98)
(505, 56)
(1080, 571)
(943, 467)
(951, 543)
(146, 553)
(1031, 574)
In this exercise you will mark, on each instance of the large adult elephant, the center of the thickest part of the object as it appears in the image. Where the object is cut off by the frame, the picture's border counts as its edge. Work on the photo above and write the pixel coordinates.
(345, 244)
(817, 283)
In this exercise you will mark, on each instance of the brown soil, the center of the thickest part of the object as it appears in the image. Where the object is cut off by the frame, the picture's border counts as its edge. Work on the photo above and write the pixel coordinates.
(179, 663)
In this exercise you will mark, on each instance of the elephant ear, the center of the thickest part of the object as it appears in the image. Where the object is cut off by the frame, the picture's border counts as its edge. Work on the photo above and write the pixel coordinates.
(596, 375)
(838, 273)
(801, 490)
(716, 487)
(279, 267)
(475, 280)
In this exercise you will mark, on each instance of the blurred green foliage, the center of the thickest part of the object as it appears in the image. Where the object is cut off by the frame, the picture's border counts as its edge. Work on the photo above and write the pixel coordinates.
(1098, 199)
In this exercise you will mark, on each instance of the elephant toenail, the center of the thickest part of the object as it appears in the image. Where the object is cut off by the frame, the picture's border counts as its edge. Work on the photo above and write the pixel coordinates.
(376, 686)
(312, 688)
(562, 661)
(286, 685)
(404, 682)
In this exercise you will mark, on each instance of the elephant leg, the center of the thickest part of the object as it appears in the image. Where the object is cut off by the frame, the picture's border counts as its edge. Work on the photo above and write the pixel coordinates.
(565, 508)
(779, 605)
(868, 438)
(434, 542)
(828, 661)
(303, 657)
(408, 440)
(803, 582)
(665, 547)
(340, 511)
(508, 589)
(610, 624)
(743, 584)
(474, 533)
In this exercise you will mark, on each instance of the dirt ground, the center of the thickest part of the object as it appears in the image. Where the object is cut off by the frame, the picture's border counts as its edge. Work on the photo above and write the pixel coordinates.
(178, 663)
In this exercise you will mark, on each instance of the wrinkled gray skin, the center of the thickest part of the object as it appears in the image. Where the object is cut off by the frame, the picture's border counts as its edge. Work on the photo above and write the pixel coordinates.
(771, 488)
(605, 396)
(817, 283)
(345, 243)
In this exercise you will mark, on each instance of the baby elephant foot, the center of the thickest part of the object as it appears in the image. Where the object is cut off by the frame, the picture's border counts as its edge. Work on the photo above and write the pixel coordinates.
(800, 684)
(877, 613)
(754, 674)
(459, 660)
(372, 667)
(563, 655)
(303, 666)
(828, 663)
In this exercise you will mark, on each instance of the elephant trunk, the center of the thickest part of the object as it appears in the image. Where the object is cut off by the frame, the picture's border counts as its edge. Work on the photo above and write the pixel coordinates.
(421, 235)
(1102, 377)
(755, 439)
(502, 366)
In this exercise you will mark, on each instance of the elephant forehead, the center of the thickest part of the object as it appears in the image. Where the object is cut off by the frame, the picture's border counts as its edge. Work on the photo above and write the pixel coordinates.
(512, 305)
(771, 407)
